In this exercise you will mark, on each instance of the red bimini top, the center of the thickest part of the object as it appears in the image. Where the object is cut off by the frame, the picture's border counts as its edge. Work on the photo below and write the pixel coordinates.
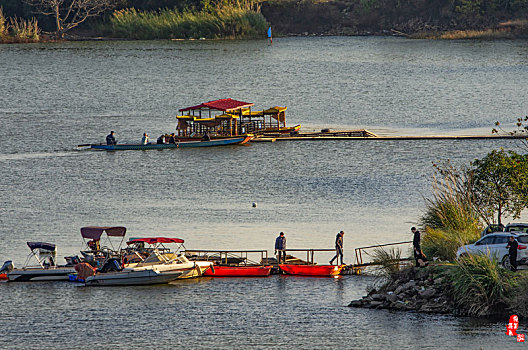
(154, 240)
(224, 104)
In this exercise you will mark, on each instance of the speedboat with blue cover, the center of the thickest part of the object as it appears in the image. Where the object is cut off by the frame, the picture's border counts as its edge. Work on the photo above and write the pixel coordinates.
(47, 270)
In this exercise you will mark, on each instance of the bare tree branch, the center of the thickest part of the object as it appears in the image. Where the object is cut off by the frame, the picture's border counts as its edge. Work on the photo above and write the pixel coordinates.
(69, 14)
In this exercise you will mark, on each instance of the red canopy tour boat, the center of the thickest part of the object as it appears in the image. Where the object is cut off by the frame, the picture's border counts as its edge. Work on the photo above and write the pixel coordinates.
(230, 118)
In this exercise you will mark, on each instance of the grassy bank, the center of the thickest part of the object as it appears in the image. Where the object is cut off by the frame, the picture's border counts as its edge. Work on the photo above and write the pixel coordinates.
(240, 20)
(18, 30)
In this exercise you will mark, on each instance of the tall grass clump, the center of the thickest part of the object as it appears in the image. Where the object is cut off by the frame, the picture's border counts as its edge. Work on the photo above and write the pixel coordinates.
(24, 30)
(17, 30)
(234, 20)
(450, 219)
(389, 260)
(480, 286)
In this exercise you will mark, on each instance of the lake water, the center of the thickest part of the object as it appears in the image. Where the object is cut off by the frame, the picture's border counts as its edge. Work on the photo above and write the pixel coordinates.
(58, 95)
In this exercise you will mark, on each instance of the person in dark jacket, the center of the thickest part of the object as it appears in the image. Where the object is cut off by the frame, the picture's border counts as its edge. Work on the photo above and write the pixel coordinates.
(110, 139)
(280, 245)
(417, 249)
(512, 252)
(339, 248)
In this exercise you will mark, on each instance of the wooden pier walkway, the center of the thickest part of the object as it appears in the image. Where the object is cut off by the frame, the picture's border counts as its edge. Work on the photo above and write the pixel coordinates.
(362, 134)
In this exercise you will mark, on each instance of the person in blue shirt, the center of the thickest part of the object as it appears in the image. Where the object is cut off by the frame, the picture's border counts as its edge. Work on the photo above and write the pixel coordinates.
(110, 139)
(280, 246)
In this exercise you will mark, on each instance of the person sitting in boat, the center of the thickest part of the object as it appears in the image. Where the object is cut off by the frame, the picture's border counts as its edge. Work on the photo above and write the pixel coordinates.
(172, 138)
(206, 137)
(161, 140)
(145, 139)
(110, 139)
(93, 245)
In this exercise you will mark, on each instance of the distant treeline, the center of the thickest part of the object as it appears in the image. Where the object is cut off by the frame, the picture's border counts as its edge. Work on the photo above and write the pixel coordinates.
(336, 17)
(20, 9)
(350, 17)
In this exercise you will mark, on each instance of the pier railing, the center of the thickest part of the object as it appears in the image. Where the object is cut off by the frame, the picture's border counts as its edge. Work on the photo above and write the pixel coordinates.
(359, 252)
(309, 253)
(230, 256)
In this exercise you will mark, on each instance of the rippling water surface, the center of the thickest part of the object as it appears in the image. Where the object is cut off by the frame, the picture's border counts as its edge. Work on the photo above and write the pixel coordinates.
(55, 96)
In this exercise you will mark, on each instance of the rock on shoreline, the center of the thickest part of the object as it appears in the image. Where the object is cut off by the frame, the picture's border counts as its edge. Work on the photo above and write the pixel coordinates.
(419, 290)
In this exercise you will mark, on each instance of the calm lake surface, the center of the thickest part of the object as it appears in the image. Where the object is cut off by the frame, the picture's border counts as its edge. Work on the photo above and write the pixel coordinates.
(56, 96)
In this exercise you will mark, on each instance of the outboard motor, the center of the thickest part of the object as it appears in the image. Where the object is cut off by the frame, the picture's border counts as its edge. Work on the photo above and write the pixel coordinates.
(7, 267)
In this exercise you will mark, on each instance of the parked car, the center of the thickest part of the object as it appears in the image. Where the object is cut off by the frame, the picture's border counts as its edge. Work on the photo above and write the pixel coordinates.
(515, 227)
(495, 244)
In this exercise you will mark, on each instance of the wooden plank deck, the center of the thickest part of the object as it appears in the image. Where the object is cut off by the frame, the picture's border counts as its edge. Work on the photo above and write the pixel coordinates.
(363, 134)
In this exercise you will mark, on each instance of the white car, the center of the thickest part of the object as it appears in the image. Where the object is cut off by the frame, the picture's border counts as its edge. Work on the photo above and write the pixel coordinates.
(495, 244)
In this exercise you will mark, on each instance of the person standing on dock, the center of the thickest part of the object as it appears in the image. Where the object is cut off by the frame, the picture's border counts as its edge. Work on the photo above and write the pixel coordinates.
(339, 248)
(110, 139)
(512, 252)
(417, 249)
(280, 246)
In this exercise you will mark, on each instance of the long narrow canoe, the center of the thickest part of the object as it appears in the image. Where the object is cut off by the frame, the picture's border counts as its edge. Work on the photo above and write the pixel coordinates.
(312, 270)
(239, 271)
(212, 143)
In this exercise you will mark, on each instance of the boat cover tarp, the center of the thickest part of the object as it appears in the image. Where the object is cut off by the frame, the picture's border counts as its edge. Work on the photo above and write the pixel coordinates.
(41, 245)
(154, 240)
(224, 104)
(84, 270)
(95, 232)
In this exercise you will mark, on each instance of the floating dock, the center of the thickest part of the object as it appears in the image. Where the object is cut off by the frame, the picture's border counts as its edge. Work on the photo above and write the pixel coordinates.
(363, 134)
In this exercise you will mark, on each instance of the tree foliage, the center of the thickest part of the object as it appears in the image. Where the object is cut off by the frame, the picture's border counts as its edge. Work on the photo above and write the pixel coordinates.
(500, 184)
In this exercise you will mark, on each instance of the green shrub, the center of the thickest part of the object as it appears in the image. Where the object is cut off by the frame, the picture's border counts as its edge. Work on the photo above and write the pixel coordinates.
(480, 286)
(3, 25)
(519, 300)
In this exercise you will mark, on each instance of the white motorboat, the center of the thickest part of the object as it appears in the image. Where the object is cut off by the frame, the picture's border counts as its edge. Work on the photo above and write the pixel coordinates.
(153, 264)
(46, 270)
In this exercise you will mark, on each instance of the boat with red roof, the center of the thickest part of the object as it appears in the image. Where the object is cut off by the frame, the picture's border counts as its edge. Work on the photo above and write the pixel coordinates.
(230, 118)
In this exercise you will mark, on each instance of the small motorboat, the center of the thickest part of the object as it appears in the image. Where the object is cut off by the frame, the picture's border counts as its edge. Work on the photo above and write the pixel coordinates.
(312, 270)
(239, 271)
(98, 249)
(133, 276)
(211, 143)
(46, 270)
(147, 261)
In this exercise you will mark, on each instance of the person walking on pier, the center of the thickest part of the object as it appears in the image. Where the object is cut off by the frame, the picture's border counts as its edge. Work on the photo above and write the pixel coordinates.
(419, 256)
(339, 248)
(280, 246)
(512, 252)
